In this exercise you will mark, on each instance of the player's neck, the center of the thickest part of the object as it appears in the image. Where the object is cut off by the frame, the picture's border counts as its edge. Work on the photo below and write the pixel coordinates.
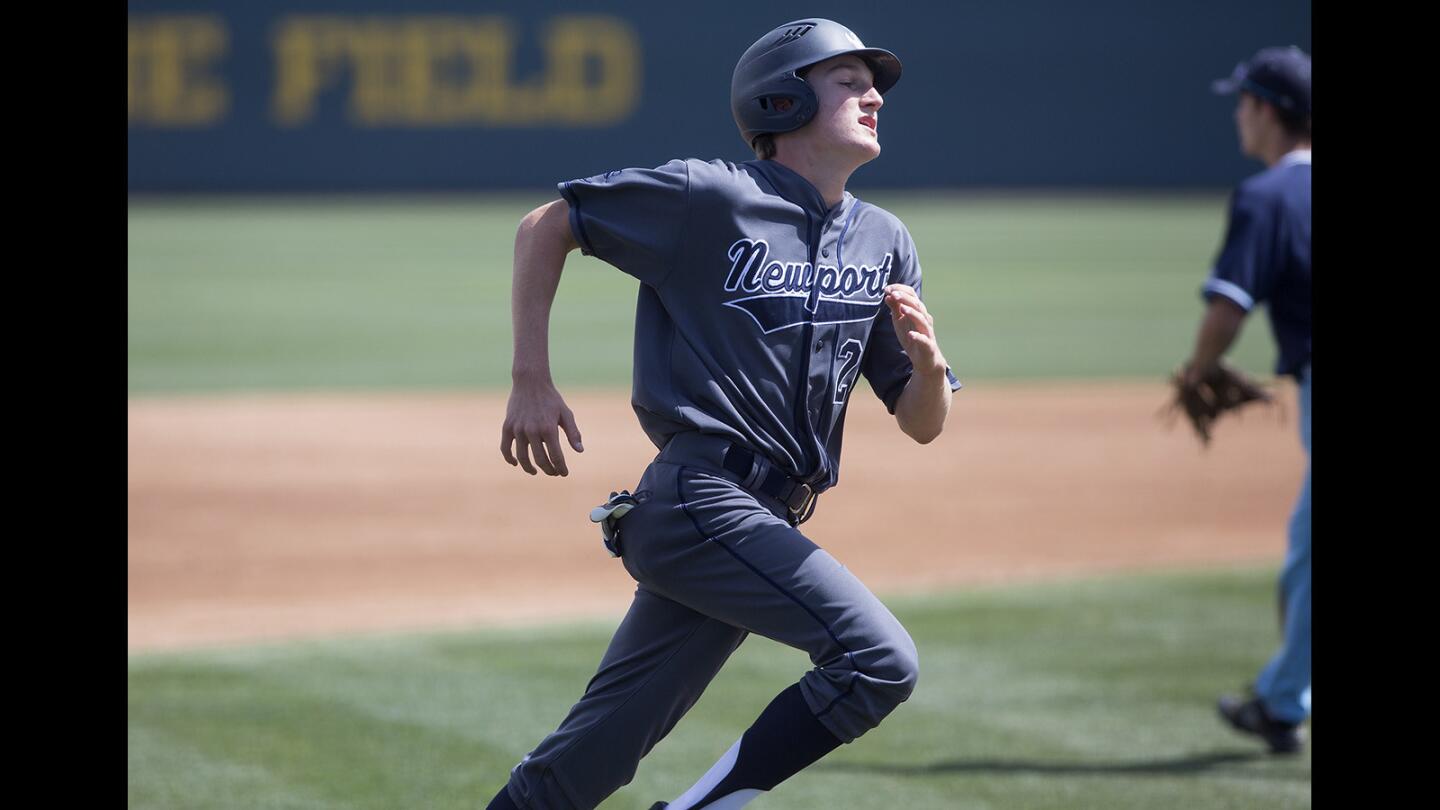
(1277, 149)
(827, 179)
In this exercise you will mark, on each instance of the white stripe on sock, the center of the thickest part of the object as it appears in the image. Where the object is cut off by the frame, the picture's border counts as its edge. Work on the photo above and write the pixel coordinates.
(707, 783)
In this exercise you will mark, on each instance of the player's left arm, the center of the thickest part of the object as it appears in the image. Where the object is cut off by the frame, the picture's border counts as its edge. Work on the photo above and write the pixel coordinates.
(924, 405)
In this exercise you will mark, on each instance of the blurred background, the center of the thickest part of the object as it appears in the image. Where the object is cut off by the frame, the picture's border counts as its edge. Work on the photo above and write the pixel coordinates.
(464, 96)
(322, 193)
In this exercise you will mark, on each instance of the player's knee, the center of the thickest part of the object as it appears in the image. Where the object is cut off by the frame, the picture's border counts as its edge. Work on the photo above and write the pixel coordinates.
(898, 671)
(908, 667)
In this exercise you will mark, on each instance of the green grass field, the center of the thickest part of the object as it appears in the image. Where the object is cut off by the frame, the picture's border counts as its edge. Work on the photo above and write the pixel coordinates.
(1096, 693)
(414, 293)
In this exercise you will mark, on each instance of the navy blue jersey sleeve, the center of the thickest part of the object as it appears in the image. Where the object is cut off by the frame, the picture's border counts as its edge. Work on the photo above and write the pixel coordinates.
(632, 218)
(1246, 268)
(886, 366)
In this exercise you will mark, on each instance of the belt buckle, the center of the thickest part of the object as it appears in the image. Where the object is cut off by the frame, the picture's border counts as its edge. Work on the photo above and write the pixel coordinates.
(804, 504)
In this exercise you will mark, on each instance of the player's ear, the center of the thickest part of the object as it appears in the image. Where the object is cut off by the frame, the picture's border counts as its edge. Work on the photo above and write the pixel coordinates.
(782, 104)
(1265, 109)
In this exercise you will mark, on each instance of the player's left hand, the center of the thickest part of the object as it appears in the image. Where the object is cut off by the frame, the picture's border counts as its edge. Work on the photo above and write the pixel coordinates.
(1202, 394)
(916, 329)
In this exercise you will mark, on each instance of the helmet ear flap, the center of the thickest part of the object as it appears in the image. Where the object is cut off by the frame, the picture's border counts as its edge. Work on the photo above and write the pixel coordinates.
(763, 115)
(805, 110)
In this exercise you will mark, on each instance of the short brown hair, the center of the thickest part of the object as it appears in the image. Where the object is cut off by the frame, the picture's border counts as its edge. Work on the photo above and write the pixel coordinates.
(764, 146)
(1295, 124)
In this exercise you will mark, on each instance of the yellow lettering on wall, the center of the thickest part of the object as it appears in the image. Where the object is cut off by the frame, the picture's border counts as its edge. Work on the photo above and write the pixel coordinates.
(446, 71)
(309, 53)
(169, 64)
(374, 94)
(575, 44)
(470, 70)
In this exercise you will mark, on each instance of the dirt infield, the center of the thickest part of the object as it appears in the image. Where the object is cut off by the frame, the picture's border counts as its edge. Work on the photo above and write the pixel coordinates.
(263, 517)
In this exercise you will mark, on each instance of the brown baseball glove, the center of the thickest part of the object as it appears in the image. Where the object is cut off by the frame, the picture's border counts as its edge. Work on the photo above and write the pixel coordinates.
(1203, 398)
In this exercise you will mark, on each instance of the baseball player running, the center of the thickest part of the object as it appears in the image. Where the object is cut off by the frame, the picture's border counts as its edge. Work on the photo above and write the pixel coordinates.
(766, 290)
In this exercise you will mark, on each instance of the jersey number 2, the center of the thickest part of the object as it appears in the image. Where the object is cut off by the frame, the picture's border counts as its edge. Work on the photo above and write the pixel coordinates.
(848, 367)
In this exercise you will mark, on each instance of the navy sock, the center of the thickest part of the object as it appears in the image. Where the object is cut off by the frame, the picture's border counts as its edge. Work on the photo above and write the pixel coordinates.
(784, 740)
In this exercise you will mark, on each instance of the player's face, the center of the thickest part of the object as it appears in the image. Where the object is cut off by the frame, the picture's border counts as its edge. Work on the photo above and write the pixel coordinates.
(848, 119)
(1247, 120)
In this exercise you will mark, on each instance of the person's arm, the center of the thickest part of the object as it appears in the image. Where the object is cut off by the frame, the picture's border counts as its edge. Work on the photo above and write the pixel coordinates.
(1217, 331)
(536, 409)
(925, 403)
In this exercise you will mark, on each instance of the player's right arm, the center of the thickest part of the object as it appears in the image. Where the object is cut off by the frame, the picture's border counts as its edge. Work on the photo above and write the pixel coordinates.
(1218, 330)
(536, 411)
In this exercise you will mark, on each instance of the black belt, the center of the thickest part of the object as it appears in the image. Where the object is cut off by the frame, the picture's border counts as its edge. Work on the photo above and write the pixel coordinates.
(758, 475)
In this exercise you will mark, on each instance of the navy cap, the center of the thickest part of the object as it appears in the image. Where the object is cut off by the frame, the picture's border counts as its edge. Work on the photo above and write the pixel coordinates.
(1281, 76)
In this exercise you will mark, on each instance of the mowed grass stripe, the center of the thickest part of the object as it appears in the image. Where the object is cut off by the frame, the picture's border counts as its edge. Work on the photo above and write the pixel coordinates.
(1093, 693)
(320, 746)
(176, 772)
(283, 293)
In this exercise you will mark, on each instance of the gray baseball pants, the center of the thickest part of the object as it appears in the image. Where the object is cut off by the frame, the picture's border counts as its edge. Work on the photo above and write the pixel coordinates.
(714, 563)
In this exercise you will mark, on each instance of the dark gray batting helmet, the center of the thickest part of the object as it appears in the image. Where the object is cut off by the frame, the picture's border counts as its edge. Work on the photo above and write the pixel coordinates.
(770, 68)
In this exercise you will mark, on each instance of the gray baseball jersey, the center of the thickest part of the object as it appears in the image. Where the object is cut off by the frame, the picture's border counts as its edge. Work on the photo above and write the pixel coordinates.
(759, 304)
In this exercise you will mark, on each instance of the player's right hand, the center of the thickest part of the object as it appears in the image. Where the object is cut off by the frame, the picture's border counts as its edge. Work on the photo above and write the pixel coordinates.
(532, 417)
